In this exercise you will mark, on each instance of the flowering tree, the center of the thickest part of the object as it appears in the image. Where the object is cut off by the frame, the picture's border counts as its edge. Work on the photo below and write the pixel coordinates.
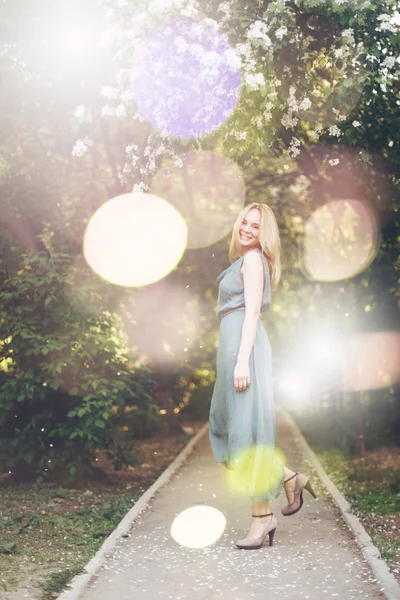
(306, 70)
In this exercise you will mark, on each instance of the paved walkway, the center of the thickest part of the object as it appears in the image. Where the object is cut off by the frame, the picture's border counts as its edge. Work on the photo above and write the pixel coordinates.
(314, 555)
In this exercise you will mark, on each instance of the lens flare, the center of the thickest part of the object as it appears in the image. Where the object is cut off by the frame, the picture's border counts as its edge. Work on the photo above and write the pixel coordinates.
(341, 240)
(207, 189)
(372, 361)
(186, 78)
(295, 386)
(198, 527)
(256, 472)
(162, 321)
(134, 239)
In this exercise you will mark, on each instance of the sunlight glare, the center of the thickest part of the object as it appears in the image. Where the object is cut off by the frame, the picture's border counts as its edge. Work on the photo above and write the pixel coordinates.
(372, 361)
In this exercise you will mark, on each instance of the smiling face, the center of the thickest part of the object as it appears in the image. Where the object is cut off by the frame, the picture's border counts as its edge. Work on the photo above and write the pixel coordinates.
(249, 230)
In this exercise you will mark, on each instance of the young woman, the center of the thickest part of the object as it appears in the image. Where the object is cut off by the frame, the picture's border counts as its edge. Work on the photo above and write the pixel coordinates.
(242, 420)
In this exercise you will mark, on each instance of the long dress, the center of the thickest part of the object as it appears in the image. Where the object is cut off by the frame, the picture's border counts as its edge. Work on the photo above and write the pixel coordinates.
(242, 424)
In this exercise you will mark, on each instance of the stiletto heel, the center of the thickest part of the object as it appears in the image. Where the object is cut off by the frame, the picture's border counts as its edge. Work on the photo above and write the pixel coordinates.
(302, 482)
(258, 542)
(309, 489)
(271, 536)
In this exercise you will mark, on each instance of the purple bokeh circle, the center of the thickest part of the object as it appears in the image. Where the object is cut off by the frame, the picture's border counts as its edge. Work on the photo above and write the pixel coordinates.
(186, 78)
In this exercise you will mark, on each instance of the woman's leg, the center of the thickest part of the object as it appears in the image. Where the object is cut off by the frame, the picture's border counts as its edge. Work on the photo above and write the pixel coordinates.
(290, 485)
(258, 524)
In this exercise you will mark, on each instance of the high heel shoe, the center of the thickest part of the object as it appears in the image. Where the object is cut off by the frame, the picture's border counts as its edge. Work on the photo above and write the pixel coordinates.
(302, 483)
(258, 542)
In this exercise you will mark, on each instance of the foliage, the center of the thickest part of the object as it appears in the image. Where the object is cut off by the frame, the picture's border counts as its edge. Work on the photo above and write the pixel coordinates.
(67, 368)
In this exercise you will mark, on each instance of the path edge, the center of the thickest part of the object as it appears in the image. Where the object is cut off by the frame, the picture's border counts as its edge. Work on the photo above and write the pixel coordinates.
(78, 584)
(387, 581)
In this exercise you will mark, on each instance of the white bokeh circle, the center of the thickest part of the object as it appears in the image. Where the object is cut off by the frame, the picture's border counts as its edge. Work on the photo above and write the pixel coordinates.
(134, 239)
(198, 526)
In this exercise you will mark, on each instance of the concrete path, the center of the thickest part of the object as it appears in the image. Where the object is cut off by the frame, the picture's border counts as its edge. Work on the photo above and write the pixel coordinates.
(314, 555)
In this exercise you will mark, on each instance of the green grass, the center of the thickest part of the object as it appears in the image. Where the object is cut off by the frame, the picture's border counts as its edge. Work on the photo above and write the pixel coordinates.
(57, 536)
(54, 584)
(378, 500)
(389, 549)
(368, 489)
(372, 491)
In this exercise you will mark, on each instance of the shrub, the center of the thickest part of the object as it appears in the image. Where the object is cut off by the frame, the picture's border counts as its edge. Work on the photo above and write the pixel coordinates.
(65, 368)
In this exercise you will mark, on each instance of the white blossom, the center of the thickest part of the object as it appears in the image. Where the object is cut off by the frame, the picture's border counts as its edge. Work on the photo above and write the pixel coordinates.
(281, 32)
(178, 162)
(305, 104)
(389, 22)
(294, 147)
(81, 146)
(288, 120)
(348, 36)
(259, 30)
(83, 114)
(131, 149)
(356, 124)
(240, 135)
(389, 62)
(257, 121)
(335, 131)
(232, 59)
(254, 80)
(334, 161)
(140, 187)
(293, 151)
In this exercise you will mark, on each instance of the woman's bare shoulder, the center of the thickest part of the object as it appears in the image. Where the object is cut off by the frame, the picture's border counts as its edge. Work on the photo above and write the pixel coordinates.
(252, 262)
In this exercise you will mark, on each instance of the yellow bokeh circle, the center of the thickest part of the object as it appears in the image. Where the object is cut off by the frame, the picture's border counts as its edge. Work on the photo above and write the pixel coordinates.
(135, 239)
(256, 472)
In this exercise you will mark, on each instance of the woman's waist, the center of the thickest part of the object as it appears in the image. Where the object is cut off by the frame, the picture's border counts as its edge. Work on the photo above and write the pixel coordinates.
(231, 310)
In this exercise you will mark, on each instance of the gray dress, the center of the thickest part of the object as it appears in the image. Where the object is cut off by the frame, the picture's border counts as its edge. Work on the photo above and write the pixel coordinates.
(242, 424)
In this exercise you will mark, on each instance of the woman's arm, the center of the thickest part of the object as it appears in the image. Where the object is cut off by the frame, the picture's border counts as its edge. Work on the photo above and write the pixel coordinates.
(253, 280)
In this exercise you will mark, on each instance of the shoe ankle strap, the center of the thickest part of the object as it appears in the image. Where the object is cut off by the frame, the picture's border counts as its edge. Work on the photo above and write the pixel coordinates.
(292, 477)
(267, 515)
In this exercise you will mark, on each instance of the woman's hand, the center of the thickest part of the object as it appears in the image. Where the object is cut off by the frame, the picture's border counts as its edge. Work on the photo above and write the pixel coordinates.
(241, 375)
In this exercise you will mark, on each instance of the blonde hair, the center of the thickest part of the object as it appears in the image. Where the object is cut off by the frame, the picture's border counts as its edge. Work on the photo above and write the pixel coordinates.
(269, 240)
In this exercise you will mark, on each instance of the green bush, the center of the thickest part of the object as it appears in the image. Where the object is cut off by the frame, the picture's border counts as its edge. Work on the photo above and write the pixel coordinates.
(65, 370)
